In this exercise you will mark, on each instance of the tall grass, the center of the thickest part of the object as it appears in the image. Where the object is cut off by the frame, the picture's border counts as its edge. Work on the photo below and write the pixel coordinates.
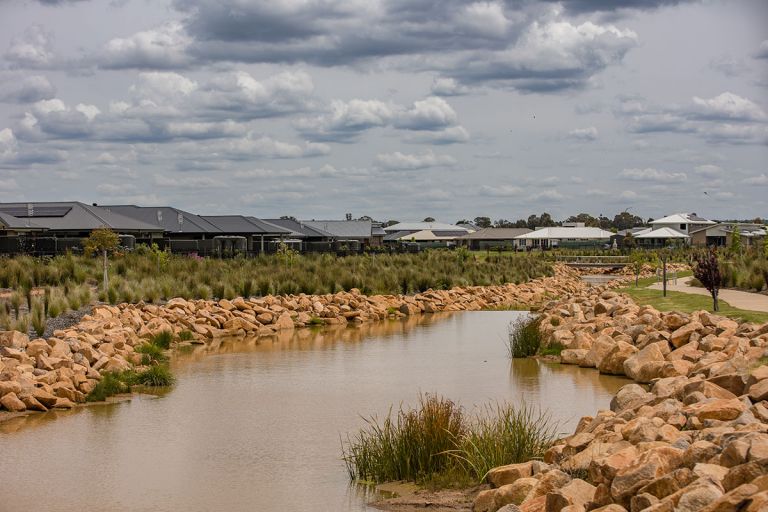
(524, 337)
(138, 276)
(437, 439)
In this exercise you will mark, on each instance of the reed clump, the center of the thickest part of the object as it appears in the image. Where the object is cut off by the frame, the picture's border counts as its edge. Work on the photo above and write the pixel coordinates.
(438, 442)
(524, 337)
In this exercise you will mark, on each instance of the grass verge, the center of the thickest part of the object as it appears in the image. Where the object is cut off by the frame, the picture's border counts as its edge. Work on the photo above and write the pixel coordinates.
(688, 303)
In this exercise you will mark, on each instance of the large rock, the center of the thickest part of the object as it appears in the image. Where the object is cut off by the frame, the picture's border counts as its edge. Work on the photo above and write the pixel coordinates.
(700, 495)
(717, 409)
(631, 395)
(599, 349)
(9, 386)
(645, 365)
(12, 403)
(682, 335)
(13, 339)
(576, 492)
(613, 362)
(284, 321)
(651, 465)
(505, 475)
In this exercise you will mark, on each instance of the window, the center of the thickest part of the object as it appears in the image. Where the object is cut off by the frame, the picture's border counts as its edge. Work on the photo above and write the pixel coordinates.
(682, 227)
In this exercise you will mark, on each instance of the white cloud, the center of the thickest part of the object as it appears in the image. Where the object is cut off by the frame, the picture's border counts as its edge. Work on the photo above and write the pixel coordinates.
(33, 49)
(761, 179)
(8, 185)
(501, 191)
(653, 175)
(164, 47)
(8, 144)
(728, 106)
(442, 86)
(584, 134)
(708, 170)
(17, 88)
(398, 161)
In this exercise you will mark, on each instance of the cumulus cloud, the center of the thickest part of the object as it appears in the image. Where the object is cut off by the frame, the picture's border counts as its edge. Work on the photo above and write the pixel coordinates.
(347, 120)
(761, 179)
(500, 191)
(584, 134)
(15, 88)
(762, 51)
(708, 170)
(398, 161)
(653, 175)
(31, 50)
(442, 86)
(726, 118)
(164, 47)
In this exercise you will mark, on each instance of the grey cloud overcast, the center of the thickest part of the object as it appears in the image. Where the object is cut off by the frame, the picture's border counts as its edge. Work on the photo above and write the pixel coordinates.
(389, 108)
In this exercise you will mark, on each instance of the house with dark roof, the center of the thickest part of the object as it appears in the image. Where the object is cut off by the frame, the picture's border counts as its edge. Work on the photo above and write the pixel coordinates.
(255, 234)
(354, 234)
(490, 238)
(61, 226)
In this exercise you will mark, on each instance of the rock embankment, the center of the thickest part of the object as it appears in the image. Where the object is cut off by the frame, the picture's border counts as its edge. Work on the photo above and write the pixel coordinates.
(689, 435)
(59, 372)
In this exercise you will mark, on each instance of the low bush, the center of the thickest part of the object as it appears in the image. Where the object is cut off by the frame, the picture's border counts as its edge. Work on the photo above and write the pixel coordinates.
(158, 375)
(109, 385)
(151, 354)
(437, 444)
(163, 339)
(524, 337)
(186, 335)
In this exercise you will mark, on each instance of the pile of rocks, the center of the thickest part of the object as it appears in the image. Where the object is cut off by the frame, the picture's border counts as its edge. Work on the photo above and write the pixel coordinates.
(691, 434)
(60, 371)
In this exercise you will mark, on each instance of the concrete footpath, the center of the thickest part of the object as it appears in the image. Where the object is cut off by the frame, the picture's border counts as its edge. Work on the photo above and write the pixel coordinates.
(737, 299)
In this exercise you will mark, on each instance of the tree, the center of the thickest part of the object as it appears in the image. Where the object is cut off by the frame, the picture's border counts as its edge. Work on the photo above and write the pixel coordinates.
(102, 240)
(628, 242)
(626, 220)
(429, 219)
(504, 223)
(586, 218)
(288, 217)
(735, 240)
(707, 270)
(390, 222)
(638, 260)
(483, 222)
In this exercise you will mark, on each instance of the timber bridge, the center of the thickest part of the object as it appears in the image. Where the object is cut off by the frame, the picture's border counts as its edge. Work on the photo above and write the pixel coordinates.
(594, 261)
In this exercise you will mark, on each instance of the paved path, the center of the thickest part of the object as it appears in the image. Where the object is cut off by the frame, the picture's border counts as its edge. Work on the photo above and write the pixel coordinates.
(742, 300)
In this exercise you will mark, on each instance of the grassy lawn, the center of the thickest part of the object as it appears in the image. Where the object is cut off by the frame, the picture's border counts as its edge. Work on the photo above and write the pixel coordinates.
(687, 303)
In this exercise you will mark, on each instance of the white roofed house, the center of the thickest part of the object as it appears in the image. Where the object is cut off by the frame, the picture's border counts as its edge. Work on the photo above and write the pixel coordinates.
(425, 234)
(672, 229)
(574, 236)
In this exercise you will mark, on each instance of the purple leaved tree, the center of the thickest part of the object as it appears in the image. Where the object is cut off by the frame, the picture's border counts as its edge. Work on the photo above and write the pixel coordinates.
(707, 270)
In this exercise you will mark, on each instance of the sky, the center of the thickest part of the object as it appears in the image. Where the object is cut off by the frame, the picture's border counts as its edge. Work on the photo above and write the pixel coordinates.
(395, 109)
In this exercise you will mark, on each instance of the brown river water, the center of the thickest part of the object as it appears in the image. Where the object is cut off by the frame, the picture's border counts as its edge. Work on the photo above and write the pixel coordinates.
(256, 425)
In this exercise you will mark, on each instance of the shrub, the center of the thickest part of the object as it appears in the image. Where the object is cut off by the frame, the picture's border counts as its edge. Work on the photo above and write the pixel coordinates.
(151, 354)
(39, 322)
(437, 443)
(158, 375)
(186, 335)
(524, 337)
(162, 339)
(110, 384)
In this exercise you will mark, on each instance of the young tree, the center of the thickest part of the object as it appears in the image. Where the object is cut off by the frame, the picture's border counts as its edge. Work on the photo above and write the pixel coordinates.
(429, 219)
(102, 240)
(707, 270)
(736, 240)
(638, 260)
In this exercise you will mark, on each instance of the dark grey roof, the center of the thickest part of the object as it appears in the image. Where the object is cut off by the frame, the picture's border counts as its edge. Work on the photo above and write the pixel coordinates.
(397, 235)
(377, 230)
(76, 216)
(10, 222)
(166, 217)
(343, 229)
(239, 224)
(299, 229)
(496, 234)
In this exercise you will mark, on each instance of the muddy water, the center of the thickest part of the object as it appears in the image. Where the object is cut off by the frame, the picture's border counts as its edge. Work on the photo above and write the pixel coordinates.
(255, 426)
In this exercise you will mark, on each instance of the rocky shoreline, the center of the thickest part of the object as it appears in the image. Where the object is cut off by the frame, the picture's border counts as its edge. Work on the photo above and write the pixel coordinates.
(59, 372)
(690, 435)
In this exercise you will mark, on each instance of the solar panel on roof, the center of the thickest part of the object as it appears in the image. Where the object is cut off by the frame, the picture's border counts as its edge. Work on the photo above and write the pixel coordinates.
(37, 211)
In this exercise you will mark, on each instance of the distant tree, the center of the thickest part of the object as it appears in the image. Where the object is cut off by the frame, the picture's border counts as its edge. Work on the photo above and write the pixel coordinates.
(521, 223)
(545, 220)
(504, 223)
(735, 240)
(707, 270)
(483, 222)
(102, 240)
(429, 219)
(604, 222)
(586, 218)
(533, 221)
(288, 217)
(463, 221)
(366, 217)
(390, 223)
(650, 219)
(626, 220)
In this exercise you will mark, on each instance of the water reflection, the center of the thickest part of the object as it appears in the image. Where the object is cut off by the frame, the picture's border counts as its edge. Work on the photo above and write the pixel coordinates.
(256, 424)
